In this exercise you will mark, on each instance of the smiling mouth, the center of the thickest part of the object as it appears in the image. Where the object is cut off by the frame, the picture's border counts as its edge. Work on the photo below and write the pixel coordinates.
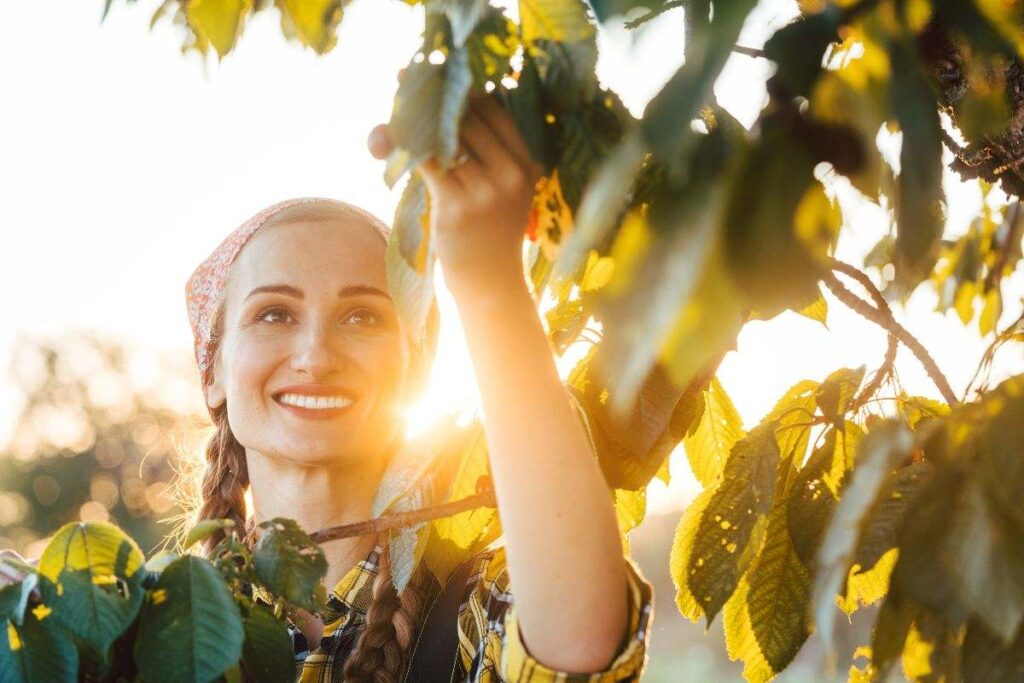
(315, 404)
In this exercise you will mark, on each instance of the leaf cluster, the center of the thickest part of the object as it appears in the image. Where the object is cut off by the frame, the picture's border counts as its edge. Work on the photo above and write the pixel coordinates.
(96, 610)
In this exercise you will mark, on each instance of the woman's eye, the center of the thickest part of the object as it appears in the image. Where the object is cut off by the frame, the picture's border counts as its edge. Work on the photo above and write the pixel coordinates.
(368, 317)
(271, 313)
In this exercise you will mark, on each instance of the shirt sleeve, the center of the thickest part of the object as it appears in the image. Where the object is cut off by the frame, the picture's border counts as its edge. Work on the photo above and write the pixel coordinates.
(490, 615)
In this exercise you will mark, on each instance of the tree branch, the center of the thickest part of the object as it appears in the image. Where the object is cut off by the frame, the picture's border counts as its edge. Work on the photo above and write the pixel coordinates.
(883, 317)
(403, 519)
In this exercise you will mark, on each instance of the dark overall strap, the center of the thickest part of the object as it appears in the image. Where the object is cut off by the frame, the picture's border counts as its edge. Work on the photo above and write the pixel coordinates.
(434, 653)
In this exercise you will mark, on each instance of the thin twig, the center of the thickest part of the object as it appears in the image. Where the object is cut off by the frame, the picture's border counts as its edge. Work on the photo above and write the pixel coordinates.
(749, 51)
(403, 519)
(1017, 326)
(643, 19)
(995, 275)
(884, 318)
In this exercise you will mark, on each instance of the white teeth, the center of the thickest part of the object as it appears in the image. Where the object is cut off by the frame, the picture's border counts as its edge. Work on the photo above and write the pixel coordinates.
(316, 402)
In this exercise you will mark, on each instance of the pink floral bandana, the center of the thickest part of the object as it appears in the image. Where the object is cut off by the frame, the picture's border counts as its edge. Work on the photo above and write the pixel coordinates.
(206, 286)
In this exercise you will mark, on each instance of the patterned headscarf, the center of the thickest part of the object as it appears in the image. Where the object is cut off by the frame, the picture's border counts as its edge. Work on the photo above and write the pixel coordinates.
(208, 282)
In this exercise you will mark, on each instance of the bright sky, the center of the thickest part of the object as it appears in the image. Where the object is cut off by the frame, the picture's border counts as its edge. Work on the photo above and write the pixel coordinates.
(123, 163)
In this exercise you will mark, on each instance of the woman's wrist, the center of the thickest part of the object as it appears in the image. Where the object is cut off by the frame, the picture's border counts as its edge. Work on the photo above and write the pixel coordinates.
(489, 287)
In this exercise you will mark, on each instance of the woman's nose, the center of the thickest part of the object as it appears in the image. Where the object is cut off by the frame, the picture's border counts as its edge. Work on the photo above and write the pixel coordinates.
(318, 352)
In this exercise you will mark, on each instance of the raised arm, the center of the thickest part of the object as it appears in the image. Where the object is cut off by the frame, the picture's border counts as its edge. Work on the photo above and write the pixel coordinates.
(565, 562)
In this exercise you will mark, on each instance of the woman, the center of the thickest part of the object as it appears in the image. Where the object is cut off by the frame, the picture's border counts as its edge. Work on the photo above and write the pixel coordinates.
(305, 368)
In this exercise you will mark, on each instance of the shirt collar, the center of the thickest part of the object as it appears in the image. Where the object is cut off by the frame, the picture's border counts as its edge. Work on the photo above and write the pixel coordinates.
(354, 592)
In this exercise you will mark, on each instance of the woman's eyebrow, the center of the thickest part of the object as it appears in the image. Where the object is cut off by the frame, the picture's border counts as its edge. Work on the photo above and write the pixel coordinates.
(276, 289)
(295, 292)
(356, 290)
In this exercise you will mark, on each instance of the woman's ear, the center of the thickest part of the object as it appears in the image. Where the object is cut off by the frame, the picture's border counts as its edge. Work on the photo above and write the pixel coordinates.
(215, 394)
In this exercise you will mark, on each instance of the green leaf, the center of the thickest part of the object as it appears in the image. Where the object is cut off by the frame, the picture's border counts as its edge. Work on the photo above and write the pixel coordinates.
(798, 49)
(733, 525)
(602, 205)
(409, 260)
(190, 629)
(814, 494)
(668, 252)
(206, 528)
(36, 651)
(491, 44)
(837, 392)
(586, 136)
(766, 618)
(880, 530)
(91, 576)
(720, 428)
(766, 218)
(267, 650)
(987, 563)
(288, 562)
(999, 446)
(14, 598)
(884, 446)
(986, 659)
(665, 126)
(919, 195)
(631, 447)
(680, 556)
(560, 38)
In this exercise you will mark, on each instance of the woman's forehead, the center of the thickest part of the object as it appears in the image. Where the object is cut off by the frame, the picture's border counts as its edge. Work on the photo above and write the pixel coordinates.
(322, 254)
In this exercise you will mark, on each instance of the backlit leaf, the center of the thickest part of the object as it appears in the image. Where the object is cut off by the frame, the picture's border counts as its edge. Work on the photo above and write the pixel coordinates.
(91, 576)
(733, 525)
(315, 22)
(218, 21)
(766, 619)
(720, 428)
(880, 450)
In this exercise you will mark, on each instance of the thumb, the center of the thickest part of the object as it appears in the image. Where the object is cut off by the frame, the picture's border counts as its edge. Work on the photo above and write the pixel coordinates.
(379, 141)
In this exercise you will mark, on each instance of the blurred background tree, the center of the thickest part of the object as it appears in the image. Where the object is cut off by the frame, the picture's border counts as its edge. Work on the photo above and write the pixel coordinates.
(99, 436)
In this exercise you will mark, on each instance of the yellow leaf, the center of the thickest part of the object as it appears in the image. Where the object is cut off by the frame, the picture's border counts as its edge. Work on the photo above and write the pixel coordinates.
(917, 655)
(633, 240)
(218, 22)
(13, 640)
(679, 557)
(816, 223)
(990, 312)
(719, 429)
(964, 301)
(598, 271)
(561, 21)
(868, 587)
(90, 545)
(630, 507)
(816, 310)
(315, 22)
(550, 222)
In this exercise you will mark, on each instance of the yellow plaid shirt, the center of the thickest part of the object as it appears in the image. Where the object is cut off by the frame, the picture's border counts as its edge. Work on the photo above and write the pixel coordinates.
(491, 649)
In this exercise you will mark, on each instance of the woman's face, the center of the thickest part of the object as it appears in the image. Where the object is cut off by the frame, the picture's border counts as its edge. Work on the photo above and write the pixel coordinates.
(308, 322)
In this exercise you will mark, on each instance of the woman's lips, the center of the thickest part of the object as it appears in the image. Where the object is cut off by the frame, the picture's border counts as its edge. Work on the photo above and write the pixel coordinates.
(314, 408)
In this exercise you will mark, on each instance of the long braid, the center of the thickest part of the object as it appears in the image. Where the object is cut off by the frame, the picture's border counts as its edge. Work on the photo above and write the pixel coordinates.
(391, 619)
(224, 481)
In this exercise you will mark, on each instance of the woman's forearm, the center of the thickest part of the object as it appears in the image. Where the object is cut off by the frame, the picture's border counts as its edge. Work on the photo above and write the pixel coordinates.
(565, 559)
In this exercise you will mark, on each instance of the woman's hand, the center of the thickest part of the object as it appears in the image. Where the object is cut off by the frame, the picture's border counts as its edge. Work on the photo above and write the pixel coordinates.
(479, 209)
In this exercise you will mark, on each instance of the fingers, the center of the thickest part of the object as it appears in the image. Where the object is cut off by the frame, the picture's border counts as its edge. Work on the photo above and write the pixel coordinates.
(483, 144)
(504, 127)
